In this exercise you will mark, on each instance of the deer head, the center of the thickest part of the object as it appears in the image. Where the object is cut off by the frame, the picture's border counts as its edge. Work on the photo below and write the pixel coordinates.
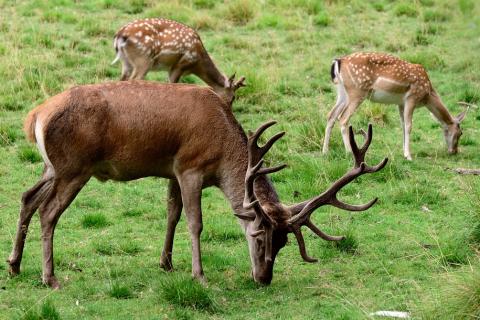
(270, 223)
(453, 132)
(230, 86)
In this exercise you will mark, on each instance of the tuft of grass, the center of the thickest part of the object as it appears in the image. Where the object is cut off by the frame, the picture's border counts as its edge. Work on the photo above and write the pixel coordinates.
(241, 12)
(133, 213)
(466, 6)
(348, 245)
(421, 38)
(469, 93)
(378, 6)
(29, 153)
(405, 9)
(47, 312)
(105, 248)
(120, 291)
(135, 6)
(475, 235)
(8, 135)
(322, 19)
(454, 252)
(459, 299)
(429, 60)
(435, 16)
(186, 292)
(94, 220)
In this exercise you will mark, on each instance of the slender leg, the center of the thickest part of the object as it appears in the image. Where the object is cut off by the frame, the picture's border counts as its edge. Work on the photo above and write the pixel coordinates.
(31, 200)
(342, 100)
(62, 194)
(345, 117)
(126, 70)
(191, 188)
(407, 118)
(175, 74)
(173, 211)
(139, 71)
(401, 111)
(178, 69)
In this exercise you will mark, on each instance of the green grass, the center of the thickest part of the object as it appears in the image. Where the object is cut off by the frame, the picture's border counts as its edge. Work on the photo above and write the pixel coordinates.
(402, 254)
(185, 292)
(94, 220)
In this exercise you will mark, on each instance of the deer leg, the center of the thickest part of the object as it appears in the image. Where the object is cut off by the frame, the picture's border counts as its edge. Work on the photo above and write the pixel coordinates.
(191, 189)
(62, 194)
(139, 71)
(407, 118)
(31, 200)
(126, 70)
(173, 211)
(178, 69)
(342, 100)
(345, 117)
(174, 74)
(401, 111)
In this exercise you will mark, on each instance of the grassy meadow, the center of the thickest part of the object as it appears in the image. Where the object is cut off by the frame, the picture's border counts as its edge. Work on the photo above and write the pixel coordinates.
(416, 250)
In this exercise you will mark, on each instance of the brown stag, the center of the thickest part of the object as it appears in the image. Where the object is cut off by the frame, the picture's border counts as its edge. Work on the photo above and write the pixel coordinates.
(129, 130)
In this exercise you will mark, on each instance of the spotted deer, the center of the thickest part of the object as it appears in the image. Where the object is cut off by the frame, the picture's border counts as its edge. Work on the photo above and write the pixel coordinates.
(386, 79)
(187, 134)
(157, 43)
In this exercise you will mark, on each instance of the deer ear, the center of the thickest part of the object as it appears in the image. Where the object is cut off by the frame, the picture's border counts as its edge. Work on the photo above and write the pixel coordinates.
(240, 83)
(461, 116)
(231, 79)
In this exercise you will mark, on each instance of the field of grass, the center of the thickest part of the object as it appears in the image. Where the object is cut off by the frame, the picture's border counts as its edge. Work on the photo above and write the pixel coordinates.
(416, 250)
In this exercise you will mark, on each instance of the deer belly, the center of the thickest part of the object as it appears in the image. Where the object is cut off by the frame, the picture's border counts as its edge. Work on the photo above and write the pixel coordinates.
(386, 97)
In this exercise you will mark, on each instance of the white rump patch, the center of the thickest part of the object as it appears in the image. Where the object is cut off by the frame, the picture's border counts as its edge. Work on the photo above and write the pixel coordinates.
(41, 146)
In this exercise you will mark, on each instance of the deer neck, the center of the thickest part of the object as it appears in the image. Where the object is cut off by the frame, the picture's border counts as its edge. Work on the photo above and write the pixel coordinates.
(209, 73)
(439, 111)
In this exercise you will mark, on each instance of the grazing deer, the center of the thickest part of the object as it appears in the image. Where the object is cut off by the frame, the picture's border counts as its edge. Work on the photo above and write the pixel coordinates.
(386, 79)
(147, 44)
(129, 130)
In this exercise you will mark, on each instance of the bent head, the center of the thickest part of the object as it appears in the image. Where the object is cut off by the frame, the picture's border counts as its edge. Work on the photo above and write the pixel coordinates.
(264, 243)
(268, 224)
(453, 132)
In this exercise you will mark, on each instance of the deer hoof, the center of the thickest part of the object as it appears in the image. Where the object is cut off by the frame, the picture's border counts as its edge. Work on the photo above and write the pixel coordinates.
(166, 264)
(14, 268)
(201, 279)
(52, 282)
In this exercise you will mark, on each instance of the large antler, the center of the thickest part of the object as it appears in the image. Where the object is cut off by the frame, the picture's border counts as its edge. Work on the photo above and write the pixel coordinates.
(329, 197)
(254, 170)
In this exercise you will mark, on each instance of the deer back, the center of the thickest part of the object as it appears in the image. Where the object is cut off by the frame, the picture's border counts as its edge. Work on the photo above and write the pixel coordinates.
(126, 130)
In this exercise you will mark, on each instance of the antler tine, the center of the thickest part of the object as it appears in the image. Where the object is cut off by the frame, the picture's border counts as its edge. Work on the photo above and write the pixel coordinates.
(320, 233)
(350, 207)
(301, 245)
(239, 83)
(359, 154)
(255, 153)
(253, 139)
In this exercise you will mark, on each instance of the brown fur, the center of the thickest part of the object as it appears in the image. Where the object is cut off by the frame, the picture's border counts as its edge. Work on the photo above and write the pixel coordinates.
(129, 130)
